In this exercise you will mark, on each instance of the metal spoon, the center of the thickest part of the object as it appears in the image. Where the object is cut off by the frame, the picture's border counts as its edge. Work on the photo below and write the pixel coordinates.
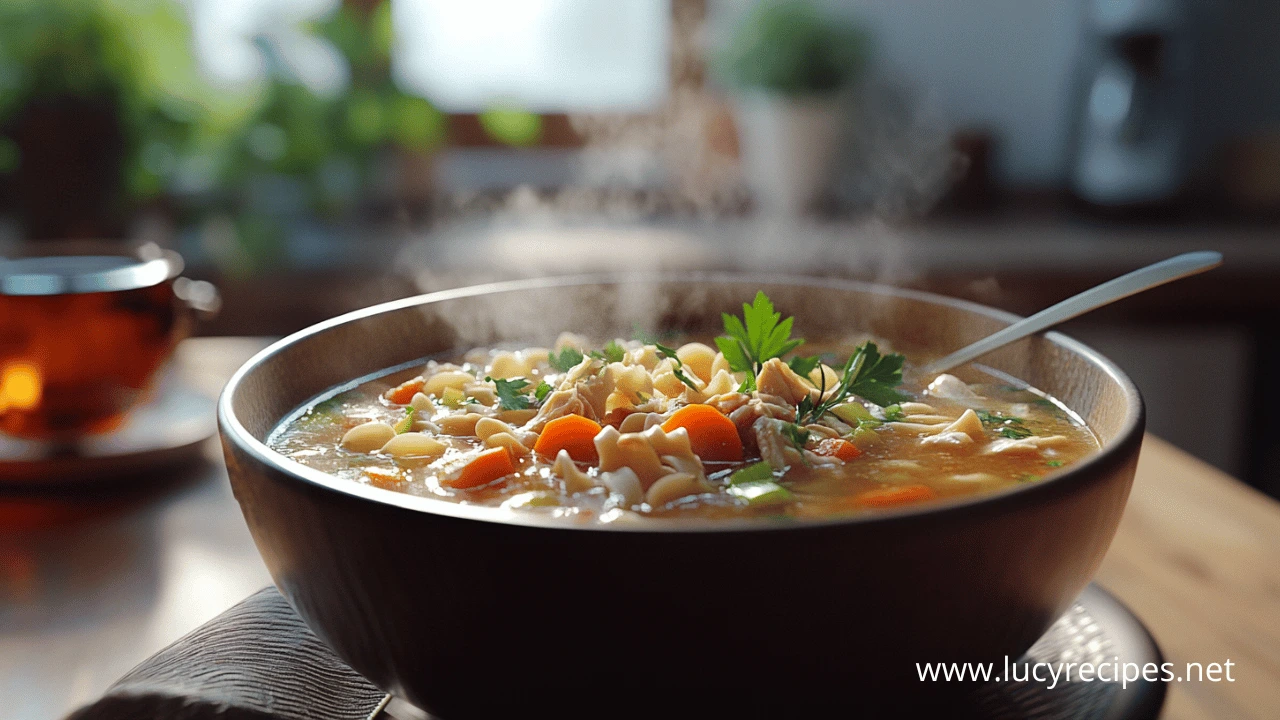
(1165, 271)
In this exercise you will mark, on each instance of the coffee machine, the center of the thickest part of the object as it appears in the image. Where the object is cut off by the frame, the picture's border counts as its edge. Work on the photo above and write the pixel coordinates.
(1132, 134)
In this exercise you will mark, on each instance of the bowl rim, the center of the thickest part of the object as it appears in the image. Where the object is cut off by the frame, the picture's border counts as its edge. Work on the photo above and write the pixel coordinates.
(1114, 454)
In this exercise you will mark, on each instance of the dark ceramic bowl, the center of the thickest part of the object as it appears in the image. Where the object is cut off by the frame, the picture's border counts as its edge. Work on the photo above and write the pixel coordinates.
(483, 612)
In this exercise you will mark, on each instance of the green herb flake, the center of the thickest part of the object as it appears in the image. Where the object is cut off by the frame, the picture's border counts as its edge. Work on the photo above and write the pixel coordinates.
(511, 393)
(406, 423)
(667, 352)
(1006, 426)
(759, 335)
(867, 374)
(566, 359)
(802, 366)
(1028, 477)
(796, 434)
(893, 413)
(613, 352)
(1054, 463)
(540, 393)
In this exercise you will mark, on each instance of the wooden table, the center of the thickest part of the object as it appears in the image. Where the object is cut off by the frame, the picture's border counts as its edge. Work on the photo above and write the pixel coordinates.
(1197, 557)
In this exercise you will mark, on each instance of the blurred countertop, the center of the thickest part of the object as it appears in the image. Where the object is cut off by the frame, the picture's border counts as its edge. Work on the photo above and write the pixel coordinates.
(1019, 262)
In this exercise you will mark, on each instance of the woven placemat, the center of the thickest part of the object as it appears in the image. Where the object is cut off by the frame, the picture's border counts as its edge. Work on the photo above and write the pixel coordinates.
(258, 661)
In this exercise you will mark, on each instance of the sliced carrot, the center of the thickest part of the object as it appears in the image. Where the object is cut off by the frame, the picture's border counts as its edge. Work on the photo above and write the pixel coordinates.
(484, 469)
(893, 496)
(837, 448)
(573, 433)
(712, 435)
(383, 477)
(404, 392)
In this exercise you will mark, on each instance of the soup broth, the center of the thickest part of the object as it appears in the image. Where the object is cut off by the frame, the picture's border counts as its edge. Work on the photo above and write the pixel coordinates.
(631, 429)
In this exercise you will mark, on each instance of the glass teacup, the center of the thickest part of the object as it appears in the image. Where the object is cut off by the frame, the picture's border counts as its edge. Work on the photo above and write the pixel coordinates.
(83, 330)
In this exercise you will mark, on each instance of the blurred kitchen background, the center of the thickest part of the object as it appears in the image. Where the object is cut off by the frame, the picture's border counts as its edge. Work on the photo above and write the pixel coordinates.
(314, 156)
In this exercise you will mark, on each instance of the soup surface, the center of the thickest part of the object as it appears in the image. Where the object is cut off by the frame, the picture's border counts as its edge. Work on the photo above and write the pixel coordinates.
(629, 429)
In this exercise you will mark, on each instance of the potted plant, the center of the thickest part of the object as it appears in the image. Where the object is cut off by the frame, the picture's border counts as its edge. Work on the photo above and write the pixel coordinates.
(789, 66)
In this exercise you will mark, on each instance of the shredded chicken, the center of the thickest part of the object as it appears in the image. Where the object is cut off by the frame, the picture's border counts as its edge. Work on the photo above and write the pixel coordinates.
(775, 448)
(776, 378)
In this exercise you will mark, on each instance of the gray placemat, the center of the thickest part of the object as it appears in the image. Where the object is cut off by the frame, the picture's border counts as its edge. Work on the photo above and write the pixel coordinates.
(259, 661)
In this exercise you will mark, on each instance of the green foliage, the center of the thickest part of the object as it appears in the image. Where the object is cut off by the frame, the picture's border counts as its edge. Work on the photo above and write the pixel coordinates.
(756, 337)
(613, 352)
(678, 371)
(512, 127)
(566, 359)
(867, 374)
(511, 393)
(789, 47)
(1006, 426)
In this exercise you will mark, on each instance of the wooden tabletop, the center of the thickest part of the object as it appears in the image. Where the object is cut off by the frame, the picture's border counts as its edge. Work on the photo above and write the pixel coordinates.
(1197, 557)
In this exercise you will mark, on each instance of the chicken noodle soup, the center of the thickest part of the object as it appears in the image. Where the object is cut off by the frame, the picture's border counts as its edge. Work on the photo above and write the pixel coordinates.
(756, 423)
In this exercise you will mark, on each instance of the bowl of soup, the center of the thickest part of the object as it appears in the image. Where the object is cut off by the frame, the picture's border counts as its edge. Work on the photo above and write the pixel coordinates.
(621, 495)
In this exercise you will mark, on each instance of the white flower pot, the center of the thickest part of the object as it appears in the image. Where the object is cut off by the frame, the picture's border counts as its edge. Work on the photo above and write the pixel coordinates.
(789, 148)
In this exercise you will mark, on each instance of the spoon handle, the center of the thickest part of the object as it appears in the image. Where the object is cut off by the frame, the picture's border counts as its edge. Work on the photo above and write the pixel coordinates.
(1175, 268)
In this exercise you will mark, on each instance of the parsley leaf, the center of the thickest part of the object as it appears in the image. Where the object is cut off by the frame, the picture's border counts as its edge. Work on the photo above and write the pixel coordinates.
(802, 366)
(511, 393)
(1054, 463)
(893, 413)
(796, 434)
(540, 393)
(613, 352)
(567, 359)
(1006, 426)
(875, 376)
(667, 352)
(760, 334)
(867, 374)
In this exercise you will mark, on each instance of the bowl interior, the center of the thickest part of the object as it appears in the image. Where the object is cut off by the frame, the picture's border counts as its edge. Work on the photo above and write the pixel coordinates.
(369, 341)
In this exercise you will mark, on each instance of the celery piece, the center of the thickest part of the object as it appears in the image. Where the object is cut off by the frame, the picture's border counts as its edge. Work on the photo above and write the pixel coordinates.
(759, 472)
(852, 412)
(760, 492)
(755, 484)
(453, 397)
(865, 435)
(406, 423)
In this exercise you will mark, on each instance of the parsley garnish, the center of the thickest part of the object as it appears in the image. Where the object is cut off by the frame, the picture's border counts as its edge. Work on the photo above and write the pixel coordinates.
(667, 352)
(802, 366)
(511, 393)
(796, 434)
(567, 359)
(867, 374)
(893, 413)
(1006, 426)
(1054, 463)
(540, 393)
(757, 337)
(613, 352)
